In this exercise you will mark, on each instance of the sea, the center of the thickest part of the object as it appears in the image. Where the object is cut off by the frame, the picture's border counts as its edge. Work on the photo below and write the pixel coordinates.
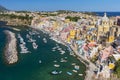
(39, 63)
(109, 14)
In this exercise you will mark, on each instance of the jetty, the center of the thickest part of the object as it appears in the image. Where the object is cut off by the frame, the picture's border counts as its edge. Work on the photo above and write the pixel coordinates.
(10, 52)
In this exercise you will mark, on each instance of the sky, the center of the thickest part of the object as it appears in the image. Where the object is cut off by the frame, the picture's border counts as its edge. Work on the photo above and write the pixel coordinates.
(53, 5)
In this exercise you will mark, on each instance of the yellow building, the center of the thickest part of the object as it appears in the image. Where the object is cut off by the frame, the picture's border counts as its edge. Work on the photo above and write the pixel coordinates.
(72, 34)
(104, 25)
(68, 39)
(67, 20)
(111, 39)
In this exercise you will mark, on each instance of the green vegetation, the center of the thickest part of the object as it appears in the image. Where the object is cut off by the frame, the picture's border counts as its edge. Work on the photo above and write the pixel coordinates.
(117, 68)
(75, 19)
(12, 16)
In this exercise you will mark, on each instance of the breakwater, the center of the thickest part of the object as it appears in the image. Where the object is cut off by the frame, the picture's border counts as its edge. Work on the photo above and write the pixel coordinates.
(10, 52)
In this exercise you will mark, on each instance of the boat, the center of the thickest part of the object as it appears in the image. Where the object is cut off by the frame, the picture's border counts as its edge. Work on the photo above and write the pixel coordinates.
(16, 29)
(76, 67)
(53, 50)
(27, 36)
(38, 36)
(54, 61)
(80, 74)
(63, 60)
(69, 73)
(35, 46)
(73, 64)
(56, 65)
(31, 40)
(24, 49)
(62, 52)
(19, 36)
(65, 57)
(40, 61)
(74, 71)
(44, 40)
(56, 72)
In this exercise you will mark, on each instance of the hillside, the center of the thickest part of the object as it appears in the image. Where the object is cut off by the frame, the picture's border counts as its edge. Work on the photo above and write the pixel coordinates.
(3, 8)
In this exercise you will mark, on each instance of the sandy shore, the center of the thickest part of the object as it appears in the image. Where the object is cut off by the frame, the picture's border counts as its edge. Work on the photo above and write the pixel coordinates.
(10, 52)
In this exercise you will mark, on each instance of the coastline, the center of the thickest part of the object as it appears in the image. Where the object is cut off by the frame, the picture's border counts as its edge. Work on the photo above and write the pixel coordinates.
(10, 52)
(89, 65)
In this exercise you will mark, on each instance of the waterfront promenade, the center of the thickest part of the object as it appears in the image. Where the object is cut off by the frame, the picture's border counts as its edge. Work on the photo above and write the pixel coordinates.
(90, 66)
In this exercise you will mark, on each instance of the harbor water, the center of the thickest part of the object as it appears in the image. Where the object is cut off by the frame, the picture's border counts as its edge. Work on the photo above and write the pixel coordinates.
(39, 63)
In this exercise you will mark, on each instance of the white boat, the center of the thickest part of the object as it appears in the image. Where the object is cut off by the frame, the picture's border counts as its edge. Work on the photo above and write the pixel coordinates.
(38, 36)
(65, 57)
(56, 72)
(45, 40)
(35, 46)
(69, 73)
(24, 49)
(53, 50)
(19, 36)
(54, 61)
(28, 36)
(31, 40)
(76, 67)
(63, 60)
(62, 52)
(40, 61)
(74, 71)
(80, 74)
(73, 64)
(56, 65)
